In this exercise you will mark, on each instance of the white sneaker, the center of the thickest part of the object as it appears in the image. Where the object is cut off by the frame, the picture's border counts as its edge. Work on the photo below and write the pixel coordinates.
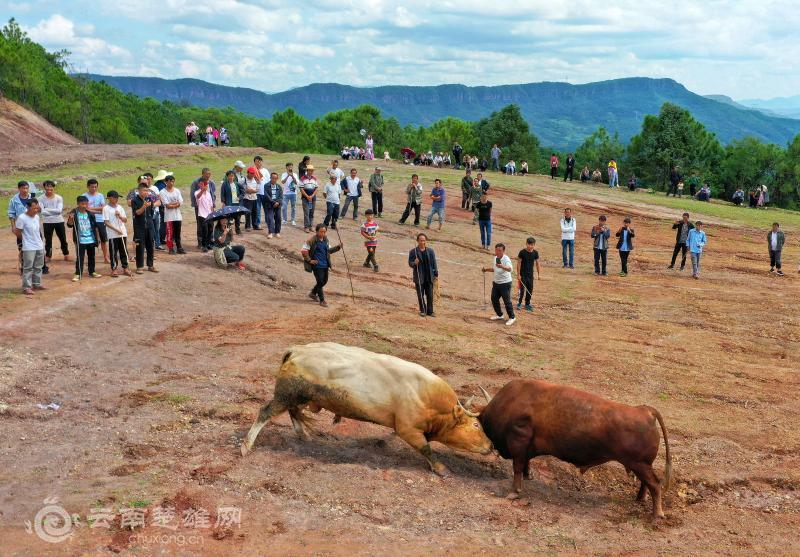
(496, 317)
(294, 223)
(510, 322)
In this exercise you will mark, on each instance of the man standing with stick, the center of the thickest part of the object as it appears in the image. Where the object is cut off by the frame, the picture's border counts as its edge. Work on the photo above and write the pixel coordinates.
(422, 260)
(526, 260)
(501, 284)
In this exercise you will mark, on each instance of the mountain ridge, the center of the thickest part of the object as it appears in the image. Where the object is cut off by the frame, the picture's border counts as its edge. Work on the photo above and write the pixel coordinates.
(561, 114)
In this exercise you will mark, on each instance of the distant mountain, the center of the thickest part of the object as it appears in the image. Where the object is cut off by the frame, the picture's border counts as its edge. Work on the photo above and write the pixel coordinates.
(785, 106)
(561, 114)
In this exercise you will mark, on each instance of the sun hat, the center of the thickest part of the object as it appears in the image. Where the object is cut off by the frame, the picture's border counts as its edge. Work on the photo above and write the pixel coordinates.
(239, 164)
(162, 174)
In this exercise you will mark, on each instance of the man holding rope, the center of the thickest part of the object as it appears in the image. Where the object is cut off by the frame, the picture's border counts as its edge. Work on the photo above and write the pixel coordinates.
(422, 260)
(526, 260)
(501, 284)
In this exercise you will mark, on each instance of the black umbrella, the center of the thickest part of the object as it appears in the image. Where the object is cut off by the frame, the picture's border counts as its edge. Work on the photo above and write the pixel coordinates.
(229, 211)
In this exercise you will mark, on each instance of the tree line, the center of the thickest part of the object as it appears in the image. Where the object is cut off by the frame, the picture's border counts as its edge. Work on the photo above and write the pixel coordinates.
(95, 112)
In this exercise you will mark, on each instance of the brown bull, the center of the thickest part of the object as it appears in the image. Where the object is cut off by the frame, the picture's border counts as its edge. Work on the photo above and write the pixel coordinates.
(529, 418)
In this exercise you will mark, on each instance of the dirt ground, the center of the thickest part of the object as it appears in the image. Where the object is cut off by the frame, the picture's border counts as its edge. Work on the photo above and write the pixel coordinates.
(158, 378)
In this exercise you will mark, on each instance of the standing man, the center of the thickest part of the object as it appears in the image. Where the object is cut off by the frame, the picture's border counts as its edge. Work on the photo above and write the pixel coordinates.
(250, 198)
(696, 243)
(317, 253)
(553, 166)
(84, 234)
(308, 191)
(205, 206)
(775, 241)
(96, 203)
(273, 198)
(26, 228)
(290, 183)
(334, 170)
(496, 152)
(262, 176)
(142, 207)
(414, 200)
(675, 177)
(229, 196)
(115, 220)
(681, 238)
(570, 167)
(457, 155)
(205, 175)
(352, 188)
(425, 272)
(466, 186)
(483, 210)
(376, 191)
(501, 283)
(331, 194)
(52, 207)
(171, 200)
(526, 260)
(16, 207)
(625, 244)
(437, 203)
(600, 234)
(568, 228)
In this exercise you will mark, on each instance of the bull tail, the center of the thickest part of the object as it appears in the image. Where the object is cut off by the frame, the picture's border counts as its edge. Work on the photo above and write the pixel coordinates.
(668, 466)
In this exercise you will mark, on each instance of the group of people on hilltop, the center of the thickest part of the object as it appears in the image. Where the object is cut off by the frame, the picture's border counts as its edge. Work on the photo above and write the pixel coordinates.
(211, 137)
(154, 213)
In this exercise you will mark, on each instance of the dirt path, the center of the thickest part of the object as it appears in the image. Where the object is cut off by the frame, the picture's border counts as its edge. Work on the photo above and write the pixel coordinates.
(159, 378)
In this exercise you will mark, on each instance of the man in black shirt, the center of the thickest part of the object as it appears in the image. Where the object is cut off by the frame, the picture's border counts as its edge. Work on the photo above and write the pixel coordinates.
(142, 207)
(681, 237)
(425, 272)
(526, 260)
(570, 167)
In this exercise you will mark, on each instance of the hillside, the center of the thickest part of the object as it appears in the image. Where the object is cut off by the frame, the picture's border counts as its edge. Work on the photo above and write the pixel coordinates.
(785, 106)
(21, 129)
(561, 114)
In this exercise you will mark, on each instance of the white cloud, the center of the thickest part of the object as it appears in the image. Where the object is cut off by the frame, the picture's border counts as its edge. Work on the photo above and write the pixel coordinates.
(60, 32)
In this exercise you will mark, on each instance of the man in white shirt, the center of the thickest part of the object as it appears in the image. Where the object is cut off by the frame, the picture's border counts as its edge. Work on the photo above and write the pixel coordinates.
(262, 178)
(501, 283)
(568, 228)
(115, 218)
(331, 193)
(352, 187)
(290, 183)
(52, 206)
(26, 227)
(171, 200)
(334, 170)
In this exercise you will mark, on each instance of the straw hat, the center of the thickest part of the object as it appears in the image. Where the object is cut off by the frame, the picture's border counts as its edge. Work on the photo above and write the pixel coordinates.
(162, 174)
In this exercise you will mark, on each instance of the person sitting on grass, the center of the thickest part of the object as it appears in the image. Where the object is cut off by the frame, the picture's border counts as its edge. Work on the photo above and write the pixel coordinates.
(224, 253)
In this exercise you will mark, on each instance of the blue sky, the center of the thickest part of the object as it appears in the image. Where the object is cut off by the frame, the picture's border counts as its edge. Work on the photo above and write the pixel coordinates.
(743, 49)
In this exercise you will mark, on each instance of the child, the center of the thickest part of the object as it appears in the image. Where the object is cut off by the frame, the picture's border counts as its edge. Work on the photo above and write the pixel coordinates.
(696, 241)
(84, 227)
(115, 219)
(526, 260)
(26, 228)
(625, 244)
(369, 230)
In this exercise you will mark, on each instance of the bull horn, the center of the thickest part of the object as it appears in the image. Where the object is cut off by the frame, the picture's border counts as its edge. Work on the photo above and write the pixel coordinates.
(468, 412)
(469, 401)
(485, 394)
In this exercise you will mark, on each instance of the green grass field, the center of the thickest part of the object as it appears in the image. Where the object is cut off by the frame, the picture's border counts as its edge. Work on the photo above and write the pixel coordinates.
(121, 174)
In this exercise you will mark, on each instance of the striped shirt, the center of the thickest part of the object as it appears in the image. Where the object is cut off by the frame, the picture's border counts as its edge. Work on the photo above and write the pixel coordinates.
(370, 229)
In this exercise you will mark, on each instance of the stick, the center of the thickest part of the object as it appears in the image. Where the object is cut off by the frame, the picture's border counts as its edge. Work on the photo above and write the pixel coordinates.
(347, 265)
(418, 286)
(484, 289)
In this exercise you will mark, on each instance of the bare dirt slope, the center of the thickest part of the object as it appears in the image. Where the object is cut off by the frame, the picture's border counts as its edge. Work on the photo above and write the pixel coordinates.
(22, 129)
(159, 378)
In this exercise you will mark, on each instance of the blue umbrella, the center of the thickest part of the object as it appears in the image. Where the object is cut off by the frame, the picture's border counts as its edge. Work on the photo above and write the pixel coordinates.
(229, 211)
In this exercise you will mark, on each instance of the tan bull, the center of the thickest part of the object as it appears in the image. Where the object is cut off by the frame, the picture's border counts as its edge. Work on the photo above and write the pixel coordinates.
(355, 383)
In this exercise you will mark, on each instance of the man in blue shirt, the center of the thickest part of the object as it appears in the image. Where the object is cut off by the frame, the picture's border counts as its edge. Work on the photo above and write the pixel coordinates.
(96, 203)
(625, 244)
(16, 207)
(696, 241)
(437, 203)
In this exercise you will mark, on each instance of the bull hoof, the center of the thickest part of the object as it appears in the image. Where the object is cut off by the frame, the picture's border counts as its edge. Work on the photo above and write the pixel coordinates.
(659, 516)
(512, 496)
(245, 449)
(440, 470)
